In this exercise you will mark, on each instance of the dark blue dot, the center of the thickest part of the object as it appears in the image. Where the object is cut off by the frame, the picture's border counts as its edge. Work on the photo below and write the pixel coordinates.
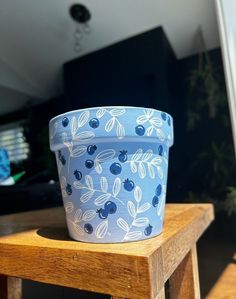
(128, 185)
(160, 150)
(140, 130)
(110, 207)
(163, 115)
(158, 190)
(115, 168)
(89, 163)
(155, 201)
(88, 228)
(148, 230)
(94, 123)
(169, 121)
(65, 121)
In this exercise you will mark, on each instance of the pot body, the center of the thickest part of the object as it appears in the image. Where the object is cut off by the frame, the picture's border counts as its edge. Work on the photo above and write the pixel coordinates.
(113, 164)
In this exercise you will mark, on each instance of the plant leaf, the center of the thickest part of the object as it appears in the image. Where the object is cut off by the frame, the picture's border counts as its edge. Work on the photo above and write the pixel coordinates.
(140, 222)
(86, 196)
(88, 215)
(132, 236)
(123, 224)
(137, 193)
(101, 229)
(104, 184)
(131, 209)
(83, 118)
(100, 200)
(110, 124)
(116, 187)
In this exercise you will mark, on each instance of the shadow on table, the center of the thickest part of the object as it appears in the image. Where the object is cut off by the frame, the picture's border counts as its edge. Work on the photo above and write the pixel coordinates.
(54, 233)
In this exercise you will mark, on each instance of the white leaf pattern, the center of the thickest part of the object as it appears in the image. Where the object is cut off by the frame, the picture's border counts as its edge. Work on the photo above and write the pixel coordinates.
(147, 155)
(144, 207)
(133, 167)
(137, 193)
(84, 136)
(132, 236)
(101, 229)
(83, 118)
(63, 182)
(100, 200)
(123, 224)
(88, 215)
(160, 172)
(151, 171)
(110, 124)
(116, 187)
(104, 184)
(141, 119)
(131, 209)
(149, 130)
(140, 222)
(105, 155)
(89, 181)
(86, 196)
(78, 151)
(78, 215)
(137, 155)
(117, 112)
(149, 113)
(78, 185)
(120, 131)
(78, 229)
(156, 161)
(156, 122)
(98, 167)
(100, 112)
(141, 170)
(69, 207)
(73, 126)
(160, 134)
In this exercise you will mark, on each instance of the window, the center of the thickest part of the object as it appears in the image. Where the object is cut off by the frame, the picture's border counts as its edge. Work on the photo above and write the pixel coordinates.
(12, 138)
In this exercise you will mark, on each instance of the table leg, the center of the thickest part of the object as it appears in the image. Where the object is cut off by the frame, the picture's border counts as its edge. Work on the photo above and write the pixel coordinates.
(184, 282)
(10, 287)
(161, 295)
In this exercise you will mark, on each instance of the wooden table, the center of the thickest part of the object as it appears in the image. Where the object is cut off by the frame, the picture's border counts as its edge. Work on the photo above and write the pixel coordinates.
(35, 246)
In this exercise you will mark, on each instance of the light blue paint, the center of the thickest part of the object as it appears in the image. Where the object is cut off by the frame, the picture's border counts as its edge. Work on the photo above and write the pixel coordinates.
(113, 164)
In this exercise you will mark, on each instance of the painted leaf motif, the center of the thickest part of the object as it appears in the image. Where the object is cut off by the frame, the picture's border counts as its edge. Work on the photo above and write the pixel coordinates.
(53, 130)
(78, 185)
(156, 161)
(156, 122)
(133, 167)
(137, 193)
(141, 170)
(160, 172)
(160, 134)
(100, 112)
(78, 215)
(84, 136)
(78, 151)
(137, 155)
(63, 182)
(89, 181)
(117, 112)
(69, 145)
(100, 200)
(147, 155)
(73, 126)
(151, 171)
(132, 236)
(64, 137)
(69, 207)
(104, 184)
(149, 112)
(141, 119)
(101, 229)
(83, 118)
(145, 207)
(78, 229)
(63, 193)
(110, 124)
(140, 222)
(105, 155)
(149, 130)
(131, 209)
(98, 167)
(86, 196)
(120, 131)
(123, 224)
(88, 215)
(116, 187)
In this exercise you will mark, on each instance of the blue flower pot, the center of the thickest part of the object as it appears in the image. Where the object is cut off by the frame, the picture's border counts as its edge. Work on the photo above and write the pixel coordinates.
(112, 164)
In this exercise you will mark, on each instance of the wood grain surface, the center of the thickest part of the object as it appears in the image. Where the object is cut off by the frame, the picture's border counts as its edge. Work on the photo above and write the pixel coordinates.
(36, 246)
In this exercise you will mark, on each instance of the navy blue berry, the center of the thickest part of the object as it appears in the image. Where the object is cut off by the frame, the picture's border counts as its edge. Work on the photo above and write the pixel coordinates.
(168, 121)
(155, 201)
(94, 123)
(160, 150)
(163, 115)
(61, 158)
(110, 207)
(91, 149)
(148, 230)
(122, 156)
(89, 163)
(102, 213)
(68, 189)
(65, 121)
(140, 130)
(88, 228)
(115, 168)
(78, 175)
(158, 190)
(128, 185)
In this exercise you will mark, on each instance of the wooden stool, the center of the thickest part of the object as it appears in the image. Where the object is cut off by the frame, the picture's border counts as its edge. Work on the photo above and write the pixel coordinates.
(137, 270)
